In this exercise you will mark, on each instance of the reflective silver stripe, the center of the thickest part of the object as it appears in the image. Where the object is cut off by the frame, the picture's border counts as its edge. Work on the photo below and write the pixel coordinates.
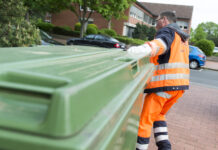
(142, 146)
(169, 77)
(164, 45)
(160, 129)
(163, 94)
(172, 65)
(161, 138)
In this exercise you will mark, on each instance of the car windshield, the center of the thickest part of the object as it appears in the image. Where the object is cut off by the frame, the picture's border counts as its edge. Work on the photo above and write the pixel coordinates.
(200, 51)
(45, 36)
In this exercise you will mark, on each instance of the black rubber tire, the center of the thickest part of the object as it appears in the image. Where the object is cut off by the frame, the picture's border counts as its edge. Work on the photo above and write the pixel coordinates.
(193, 64)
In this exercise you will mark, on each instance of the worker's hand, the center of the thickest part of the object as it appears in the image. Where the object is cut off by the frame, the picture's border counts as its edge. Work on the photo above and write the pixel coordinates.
(142, 50)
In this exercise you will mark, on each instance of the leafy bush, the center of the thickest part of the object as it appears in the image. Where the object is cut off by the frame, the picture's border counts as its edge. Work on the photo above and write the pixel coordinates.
(23, 34)
(47, 27)
(91, 30)
(74, 33)
(92, 26)
(65, 30)
(206, 46)
(15, 31)
(77, 26)
(109, 32)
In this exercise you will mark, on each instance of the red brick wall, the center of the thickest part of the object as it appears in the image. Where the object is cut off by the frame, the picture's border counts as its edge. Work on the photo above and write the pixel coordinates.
(64, 18)
(68, 18)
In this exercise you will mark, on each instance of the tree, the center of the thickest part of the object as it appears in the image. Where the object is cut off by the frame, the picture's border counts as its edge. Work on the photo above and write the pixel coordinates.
(83, 9)
(199, 33)
(38, 8)
(206, 45)
(211, 29)
(14, 29)
(114, 8)
(144, 32)
(151, 33)
(192, 38)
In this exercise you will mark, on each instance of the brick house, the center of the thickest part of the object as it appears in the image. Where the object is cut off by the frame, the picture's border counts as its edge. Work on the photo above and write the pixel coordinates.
(138, 12)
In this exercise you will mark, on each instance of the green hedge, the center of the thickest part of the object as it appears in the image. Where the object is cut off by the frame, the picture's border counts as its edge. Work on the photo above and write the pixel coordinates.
(109, 32)
(77, 26)
(47, 27)
(207, 46)
(130, 41)
(65, 30)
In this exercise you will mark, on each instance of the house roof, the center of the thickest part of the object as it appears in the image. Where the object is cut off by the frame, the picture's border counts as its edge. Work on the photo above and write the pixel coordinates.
(182, 11)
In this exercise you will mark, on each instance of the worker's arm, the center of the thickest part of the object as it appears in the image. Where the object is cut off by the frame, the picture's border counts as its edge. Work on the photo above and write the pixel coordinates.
(158, 46)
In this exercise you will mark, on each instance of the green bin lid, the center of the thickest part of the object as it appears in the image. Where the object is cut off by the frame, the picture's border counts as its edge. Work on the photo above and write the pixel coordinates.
(57, 91)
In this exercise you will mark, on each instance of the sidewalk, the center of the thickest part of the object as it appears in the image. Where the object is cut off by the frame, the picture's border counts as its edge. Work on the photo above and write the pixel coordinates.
(193, 121)
(212, 65)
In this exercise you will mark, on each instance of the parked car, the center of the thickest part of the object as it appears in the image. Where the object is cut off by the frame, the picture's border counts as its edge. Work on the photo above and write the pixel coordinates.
(197, 58)
(47, 39)
(215, 50)
(97, 40)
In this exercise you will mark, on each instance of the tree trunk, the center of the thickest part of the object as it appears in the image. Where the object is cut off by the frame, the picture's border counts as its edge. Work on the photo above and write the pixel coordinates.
(84, 24)
(82, 29)
(109, 24)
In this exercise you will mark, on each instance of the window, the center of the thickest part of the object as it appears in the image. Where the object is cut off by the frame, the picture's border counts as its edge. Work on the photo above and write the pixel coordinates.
(90, 37)
(183, 24)
(99, 37)
(136, 13)
(190, 49)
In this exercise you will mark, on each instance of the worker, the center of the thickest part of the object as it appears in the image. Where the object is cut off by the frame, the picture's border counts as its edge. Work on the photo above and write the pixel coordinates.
(169, 52)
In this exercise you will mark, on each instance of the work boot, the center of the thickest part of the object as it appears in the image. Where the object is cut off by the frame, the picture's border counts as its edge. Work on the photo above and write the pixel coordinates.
(142, 143)
(161, 135)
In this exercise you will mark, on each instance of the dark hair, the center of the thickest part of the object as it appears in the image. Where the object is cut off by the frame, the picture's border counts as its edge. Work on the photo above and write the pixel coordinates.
(171, 16)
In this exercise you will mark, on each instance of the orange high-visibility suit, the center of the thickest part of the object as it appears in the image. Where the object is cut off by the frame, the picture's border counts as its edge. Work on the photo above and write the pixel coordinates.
(170, 55)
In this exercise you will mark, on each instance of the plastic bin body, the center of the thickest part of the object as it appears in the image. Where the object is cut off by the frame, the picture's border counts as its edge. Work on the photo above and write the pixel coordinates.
(70, 98)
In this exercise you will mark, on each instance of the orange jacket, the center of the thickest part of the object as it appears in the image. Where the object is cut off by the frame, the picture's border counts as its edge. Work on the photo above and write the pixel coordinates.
(171, 66)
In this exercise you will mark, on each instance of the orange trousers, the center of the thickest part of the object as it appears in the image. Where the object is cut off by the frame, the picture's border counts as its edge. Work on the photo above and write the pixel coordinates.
(156, 105)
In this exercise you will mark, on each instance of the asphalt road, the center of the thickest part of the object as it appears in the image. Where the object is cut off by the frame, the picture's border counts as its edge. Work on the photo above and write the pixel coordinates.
(205, 77)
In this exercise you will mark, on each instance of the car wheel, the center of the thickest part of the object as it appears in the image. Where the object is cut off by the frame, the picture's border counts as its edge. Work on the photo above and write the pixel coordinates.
(193, 64)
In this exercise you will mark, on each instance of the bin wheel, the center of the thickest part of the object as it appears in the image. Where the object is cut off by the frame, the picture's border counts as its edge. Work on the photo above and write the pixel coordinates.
(193, 64)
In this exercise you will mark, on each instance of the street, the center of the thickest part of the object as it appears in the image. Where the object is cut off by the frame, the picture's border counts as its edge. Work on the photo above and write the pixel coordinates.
(205, 77)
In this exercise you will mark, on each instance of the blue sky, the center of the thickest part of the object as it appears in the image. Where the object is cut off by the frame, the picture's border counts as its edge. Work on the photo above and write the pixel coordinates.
(204, 10)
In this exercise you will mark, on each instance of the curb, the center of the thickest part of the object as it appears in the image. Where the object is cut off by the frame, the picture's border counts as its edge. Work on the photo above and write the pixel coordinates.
(209, 68)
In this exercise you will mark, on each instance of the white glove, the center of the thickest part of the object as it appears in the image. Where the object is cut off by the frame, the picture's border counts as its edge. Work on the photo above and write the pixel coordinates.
(142, 50)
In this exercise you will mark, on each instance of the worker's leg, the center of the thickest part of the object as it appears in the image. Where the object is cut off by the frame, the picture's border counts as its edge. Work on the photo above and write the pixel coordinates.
(160, 126)
(152, 107)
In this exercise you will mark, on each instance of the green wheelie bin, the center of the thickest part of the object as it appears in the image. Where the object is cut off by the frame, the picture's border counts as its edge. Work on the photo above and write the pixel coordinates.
(70, 98)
